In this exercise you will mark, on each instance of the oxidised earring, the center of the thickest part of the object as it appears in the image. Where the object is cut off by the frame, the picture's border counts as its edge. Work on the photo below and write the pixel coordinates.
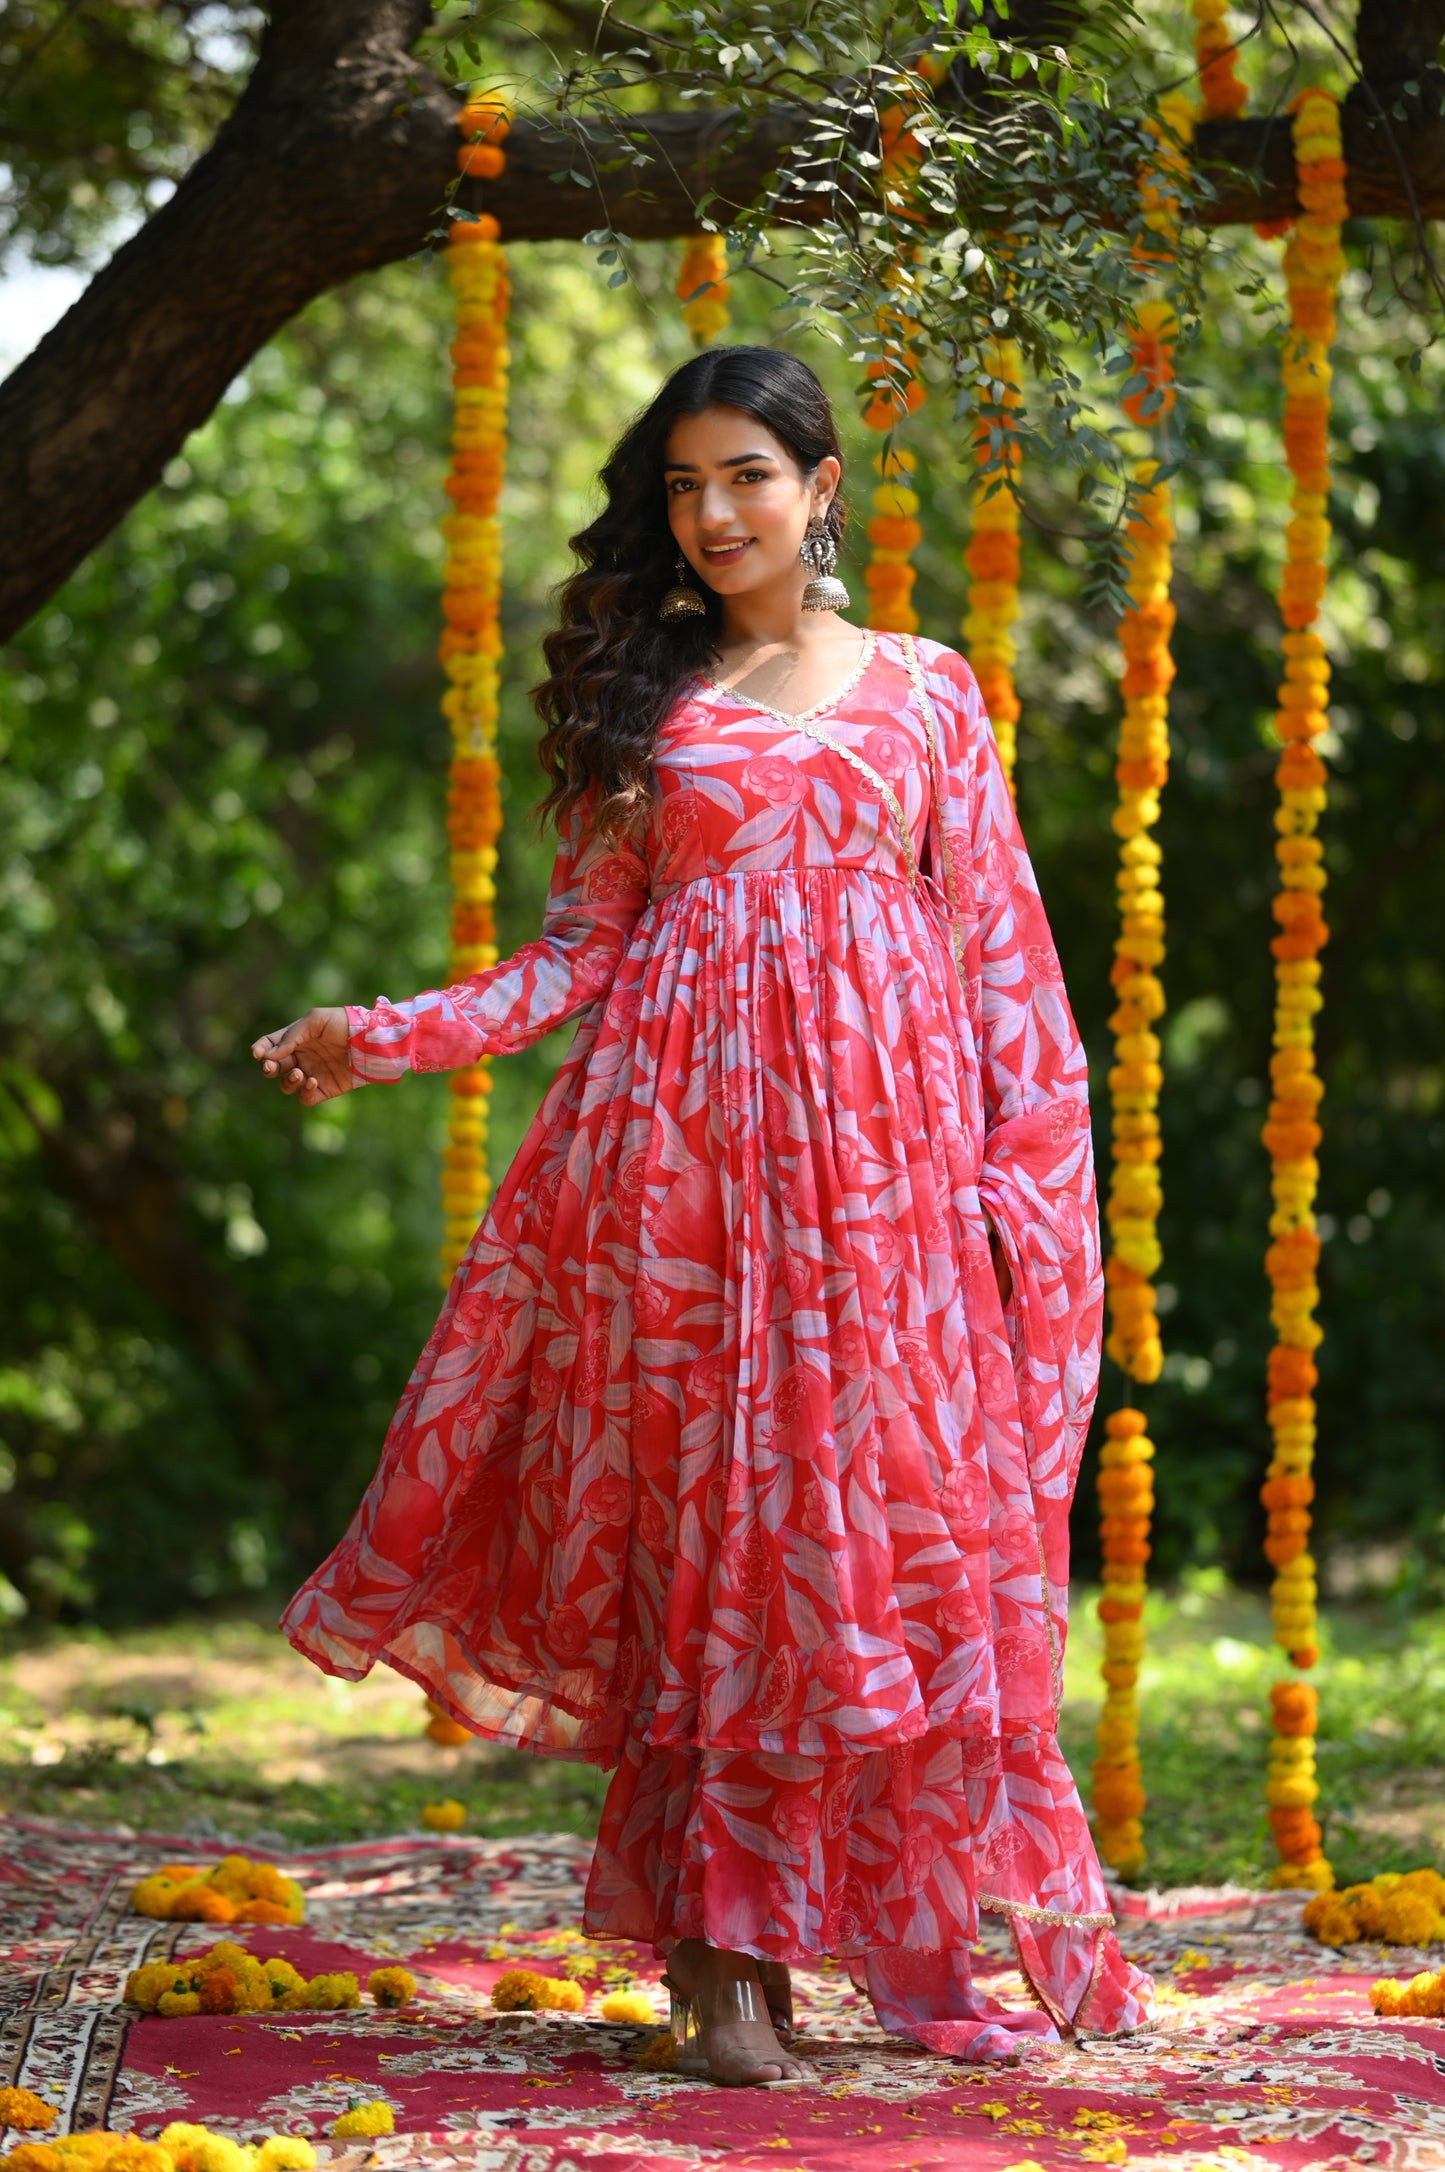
(682, 601)
(820, 552)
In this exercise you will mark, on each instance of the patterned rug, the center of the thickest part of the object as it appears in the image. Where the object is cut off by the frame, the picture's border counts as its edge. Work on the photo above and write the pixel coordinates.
(1265, 2052)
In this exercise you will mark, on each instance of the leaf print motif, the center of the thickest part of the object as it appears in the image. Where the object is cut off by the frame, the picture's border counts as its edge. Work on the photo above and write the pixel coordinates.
(723, 1466)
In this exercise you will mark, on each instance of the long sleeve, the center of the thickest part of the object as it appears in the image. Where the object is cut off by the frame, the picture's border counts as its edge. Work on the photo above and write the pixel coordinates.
(595, 897)
(1037, 1178)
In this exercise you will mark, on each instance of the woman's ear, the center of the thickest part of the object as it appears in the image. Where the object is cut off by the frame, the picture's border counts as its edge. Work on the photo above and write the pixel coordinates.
(826, 477)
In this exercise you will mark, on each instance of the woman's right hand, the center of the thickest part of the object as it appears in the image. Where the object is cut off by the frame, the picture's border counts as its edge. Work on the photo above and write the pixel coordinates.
(310, 1058)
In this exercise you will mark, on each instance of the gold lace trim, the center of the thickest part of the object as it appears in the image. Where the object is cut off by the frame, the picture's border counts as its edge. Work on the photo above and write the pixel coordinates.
(930, 727)
(819, 708)
(997, 1906)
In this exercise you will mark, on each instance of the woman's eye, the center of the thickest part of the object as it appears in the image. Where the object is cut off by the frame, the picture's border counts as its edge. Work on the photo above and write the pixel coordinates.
(753, 475)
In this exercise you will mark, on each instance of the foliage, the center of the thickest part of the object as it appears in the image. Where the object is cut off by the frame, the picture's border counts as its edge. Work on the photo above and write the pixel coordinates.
(234, 1732)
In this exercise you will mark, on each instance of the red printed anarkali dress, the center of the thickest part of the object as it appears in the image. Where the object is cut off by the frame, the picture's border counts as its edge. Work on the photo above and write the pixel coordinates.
(724, 1466)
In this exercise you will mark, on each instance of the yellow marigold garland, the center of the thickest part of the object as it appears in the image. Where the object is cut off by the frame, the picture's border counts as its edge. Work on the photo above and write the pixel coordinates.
(1396, 1909)
(234, 1890)
(893, 531)
(702, 288)
(1313, 262)
(471, 646)
(991, 556)
(1125, 1482)
(228, 1979)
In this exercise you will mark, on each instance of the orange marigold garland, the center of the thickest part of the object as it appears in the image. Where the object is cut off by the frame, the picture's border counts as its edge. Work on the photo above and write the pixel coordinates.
(1313, 262)
(894, 532)
(471, 646)
(1222, 97)
(991, 556)
(1125, 1483)
(702, 288)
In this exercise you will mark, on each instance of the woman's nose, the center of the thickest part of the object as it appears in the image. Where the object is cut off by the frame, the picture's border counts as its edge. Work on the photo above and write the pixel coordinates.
(715, 508)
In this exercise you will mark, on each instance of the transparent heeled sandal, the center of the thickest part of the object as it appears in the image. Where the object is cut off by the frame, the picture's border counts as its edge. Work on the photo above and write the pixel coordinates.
(777, 1986)
(737, 1998)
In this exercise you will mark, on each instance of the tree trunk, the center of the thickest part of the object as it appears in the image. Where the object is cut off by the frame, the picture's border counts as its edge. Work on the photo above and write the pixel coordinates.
(331, 165)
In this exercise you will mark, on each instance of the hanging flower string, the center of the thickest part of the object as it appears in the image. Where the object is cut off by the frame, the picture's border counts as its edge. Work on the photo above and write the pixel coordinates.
(991, 556)
(1126, 1481)
(1313, 262)
(894, 531)
(471, 646)
(1222, 95)
(702, 288)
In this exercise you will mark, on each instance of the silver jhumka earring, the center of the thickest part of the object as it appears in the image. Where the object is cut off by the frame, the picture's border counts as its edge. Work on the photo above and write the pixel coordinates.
(682, 601)
(819, 551)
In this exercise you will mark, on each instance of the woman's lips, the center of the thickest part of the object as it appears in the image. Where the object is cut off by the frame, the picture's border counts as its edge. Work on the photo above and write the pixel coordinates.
(726, 554)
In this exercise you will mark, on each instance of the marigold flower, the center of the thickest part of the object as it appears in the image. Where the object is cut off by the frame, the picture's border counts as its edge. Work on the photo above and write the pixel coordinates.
(285, 2153)
(23, 2109)
(375, 2117)
(629, 2006)
(391, 1986)
(448, 1816)
(33, 2157)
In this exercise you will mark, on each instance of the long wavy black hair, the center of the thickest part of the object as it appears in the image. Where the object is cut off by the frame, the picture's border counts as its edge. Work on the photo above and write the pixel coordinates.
(614, 667)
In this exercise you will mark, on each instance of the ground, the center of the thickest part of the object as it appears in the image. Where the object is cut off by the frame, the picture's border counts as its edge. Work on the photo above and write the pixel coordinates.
(217, 1726)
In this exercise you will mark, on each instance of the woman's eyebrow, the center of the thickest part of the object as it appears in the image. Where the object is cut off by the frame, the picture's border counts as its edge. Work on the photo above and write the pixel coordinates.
(689, 467)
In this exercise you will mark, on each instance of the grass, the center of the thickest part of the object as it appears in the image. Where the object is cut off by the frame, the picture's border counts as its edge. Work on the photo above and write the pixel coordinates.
(202, 1727)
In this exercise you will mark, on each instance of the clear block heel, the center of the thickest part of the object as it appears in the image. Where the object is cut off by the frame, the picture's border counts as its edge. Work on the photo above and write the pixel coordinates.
(735, 1999)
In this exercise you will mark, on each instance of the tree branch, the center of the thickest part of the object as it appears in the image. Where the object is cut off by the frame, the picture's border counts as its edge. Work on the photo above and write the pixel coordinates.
(334, 162)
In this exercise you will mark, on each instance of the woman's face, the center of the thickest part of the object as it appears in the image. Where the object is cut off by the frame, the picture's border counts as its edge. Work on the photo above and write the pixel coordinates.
(737, 501)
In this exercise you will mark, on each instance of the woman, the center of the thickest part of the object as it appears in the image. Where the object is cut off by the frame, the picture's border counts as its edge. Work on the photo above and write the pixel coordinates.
(740, 1458)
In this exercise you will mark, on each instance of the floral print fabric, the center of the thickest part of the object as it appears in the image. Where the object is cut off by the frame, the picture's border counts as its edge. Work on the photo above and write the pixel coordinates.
(724, 1464)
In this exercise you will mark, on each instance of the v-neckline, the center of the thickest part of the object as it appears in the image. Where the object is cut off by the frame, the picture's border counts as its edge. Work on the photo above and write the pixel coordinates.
(819, 708)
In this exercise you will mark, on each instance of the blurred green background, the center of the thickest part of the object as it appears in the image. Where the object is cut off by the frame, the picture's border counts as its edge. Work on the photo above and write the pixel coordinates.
(221, 791)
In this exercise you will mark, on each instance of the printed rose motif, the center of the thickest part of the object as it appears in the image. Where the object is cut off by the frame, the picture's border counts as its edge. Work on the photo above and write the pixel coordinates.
(799, 1274)
(706, 1378)
(921, 1850)
(774, 778)
(775, 1118)
(794, 1395)
(887, 1244)
(958, 1614)
(833, 1665)
(848, 1156)
(797, 1818)
(545, 1384)
(980, 1754)
(651, 1523)
(850, 1347)
(1016, 1541)
(964, 1500)
(594, 969)
(890, 752)
(649, 1302)
(1022, 1659)
(909, 1104)
(624, 1008)
(567, 1633)
(608, 1499)
(848, 1915)
(998, 869)
(996, 1380)
(1003, 1847)
(1067, 1217)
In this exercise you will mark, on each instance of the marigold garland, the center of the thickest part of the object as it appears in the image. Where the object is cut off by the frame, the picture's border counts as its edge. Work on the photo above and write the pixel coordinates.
(523, 1991)
(234, 1891)
(1222, 96)
(702, 288)
(991, 555)
(1125, 1481)
(180, 2147)
(1313, 262)
(471, 645)
(894, 531)
(227, 1979)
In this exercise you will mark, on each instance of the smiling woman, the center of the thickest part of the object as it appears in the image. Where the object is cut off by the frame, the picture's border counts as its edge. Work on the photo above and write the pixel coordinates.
(739, 1460)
